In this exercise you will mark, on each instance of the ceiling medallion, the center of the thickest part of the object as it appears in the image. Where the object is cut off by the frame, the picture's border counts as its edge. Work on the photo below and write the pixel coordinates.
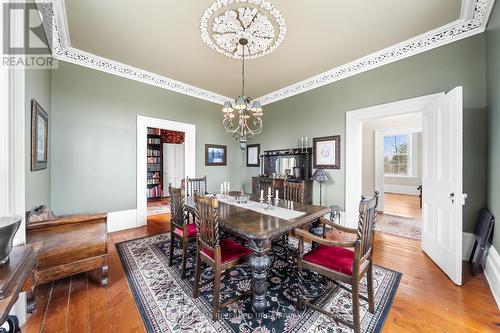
(258, 21)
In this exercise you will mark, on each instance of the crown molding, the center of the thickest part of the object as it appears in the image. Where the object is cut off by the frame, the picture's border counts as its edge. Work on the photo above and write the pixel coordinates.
(473, 20)
(54, 18)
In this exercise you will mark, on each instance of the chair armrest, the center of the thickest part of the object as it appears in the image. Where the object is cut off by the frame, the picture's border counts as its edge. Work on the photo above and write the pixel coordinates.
(68, 219)
(302, 233)
(338, 226)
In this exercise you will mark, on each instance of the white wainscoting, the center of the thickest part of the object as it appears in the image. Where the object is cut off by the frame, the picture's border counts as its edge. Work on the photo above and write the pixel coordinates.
(401, 189)
(121, 220)
(491, 266)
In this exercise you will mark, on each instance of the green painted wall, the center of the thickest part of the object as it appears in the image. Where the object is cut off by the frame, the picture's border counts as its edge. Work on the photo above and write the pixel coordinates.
(493, 116)
(37, 85)
(321, 112)
(93, 146)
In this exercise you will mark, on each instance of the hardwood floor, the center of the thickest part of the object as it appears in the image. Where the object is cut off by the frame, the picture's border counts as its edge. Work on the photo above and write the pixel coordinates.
(426, 301)
(402, 205)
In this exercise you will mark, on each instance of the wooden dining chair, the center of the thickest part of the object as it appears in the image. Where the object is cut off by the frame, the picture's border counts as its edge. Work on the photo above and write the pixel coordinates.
(196, 186)
(294, 191)
(220, 254)
(263, 183)
(336, 261)
(180, 228)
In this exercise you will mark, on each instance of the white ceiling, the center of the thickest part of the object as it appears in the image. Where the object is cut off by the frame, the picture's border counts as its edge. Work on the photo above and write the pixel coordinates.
(163, 37)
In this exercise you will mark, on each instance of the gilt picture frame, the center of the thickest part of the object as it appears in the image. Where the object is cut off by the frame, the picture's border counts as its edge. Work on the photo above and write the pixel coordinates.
(253, 155)
(215, 155)
(39, 137)
(326, 152)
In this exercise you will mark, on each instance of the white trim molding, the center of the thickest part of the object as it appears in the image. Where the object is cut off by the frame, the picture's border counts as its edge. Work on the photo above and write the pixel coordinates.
(122, 220)
(473, 20)
(400, 189)
(189, 157)
(492, 273)
(354, 133)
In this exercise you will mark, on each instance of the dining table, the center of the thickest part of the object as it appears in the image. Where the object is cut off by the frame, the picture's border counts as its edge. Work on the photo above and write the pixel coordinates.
(260, 224)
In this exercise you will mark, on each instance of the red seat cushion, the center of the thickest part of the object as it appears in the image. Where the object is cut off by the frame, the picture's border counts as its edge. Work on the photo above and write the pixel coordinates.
(335, 258)
(229, 250)
(191, 229)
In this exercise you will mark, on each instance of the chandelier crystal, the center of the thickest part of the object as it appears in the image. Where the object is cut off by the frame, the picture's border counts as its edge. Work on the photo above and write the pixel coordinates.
(247, 122)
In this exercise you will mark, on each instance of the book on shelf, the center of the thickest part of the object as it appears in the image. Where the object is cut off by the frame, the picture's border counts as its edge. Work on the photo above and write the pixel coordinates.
(154, 141)
(154, 192)
(154, 131)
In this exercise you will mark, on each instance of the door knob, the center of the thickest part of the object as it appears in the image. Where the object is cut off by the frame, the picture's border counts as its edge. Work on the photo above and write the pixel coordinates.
(452, 197)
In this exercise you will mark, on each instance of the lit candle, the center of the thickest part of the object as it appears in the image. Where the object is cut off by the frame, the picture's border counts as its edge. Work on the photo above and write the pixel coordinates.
(261, 194)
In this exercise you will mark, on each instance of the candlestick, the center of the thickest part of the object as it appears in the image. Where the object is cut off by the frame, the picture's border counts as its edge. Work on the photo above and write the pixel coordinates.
(262, 195)
(277, 194)
(221, 188)
(268, 191)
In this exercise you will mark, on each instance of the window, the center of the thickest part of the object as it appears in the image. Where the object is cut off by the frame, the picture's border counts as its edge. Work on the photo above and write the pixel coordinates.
(397, 155)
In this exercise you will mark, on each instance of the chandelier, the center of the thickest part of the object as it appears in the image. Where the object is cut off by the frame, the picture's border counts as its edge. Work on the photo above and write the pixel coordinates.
(247, 122)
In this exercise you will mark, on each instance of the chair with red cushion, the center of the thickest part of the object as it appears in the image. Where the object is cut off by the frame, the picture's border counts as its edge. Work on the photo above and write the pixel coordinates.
(220, 254)
(346, 261)
(180, 229)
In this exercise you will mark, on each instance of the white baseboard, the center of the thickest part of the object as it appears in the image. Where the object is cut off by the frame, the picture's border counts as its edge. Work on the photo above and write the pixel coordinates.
(492, 273)
(491, 266)
(401, 189)
(467, 244)
(121, 220)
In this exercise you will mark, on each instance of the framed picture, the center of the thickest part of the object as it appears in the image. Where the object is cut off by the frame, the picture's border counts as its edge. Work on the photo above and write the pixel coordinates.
(326, 152)
(253, 155)
(215, 155)
(39, 137)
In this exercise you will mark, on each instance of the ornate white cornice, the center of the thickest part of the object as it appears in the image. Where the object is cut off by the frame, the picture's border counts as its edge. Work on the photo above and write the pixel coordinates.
(55, 24)
(474, 17)
(473, 20)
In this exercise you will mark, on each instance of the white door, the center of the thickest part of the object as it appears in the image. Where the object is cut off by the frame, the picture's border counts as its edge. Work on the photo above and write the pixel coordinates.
(442, 183)
(173, 164)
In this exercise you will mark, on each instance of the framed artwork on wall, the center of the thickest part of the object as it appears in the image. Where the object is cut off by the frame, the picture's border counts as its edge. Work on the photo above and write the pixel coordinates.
(253, 155)
(326, 152)
(215, 155)
(39, 136)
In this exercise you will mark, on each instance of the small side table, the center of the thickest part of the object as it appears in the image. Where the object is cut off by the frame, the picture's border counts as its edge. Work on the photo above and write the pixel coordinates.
(13, 275)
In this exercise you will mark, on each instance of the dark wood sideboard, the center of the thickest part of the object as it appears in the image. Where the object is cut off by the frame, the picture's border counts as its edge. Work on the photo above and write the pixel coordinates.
(273, 166)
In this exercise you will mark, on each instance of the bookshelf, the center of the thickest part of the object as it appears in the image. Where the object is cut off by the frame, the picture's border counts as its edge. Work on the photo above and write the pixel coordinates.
(155, 164)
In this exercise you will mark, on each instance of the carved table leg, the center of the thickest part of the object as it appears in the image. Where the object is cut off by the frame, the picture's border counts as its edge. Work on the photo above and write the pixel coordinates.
(260, 263)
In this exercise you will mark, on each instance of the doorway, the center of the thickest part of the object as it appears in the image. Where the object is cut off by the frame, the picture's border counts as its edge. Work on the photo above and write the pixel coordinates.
(392, 165)
(166, 152)
(165, 166)
(442, 173)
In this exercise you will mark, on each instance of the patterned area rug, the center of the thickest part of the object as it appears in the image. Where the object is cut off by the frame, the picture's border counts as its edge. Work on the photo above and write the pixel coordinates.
(399, 226)
(166, 304)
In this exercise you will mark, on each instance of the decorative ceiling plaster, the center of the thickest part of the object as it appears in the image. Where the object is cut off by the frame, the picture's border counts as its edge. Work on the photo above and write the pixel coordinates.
(222, 26)
(473, 20)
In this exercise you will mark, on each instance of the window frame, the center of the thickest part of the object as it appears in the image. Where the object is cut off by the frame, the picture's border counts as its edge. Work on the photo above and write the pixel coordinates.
(409, 154)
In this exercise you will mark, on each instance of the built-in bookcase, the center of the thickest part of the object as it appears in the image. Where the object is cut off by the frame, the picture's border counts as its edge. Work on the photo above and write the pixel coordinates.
(155, 164)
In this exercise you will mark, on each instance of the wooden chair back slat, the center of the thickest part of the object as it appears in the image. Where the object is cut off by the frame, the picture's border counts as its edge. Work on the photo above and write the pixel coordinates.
(367, 218)
(196, 186)
(294, 191)
(177, 210)
(208, 220)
